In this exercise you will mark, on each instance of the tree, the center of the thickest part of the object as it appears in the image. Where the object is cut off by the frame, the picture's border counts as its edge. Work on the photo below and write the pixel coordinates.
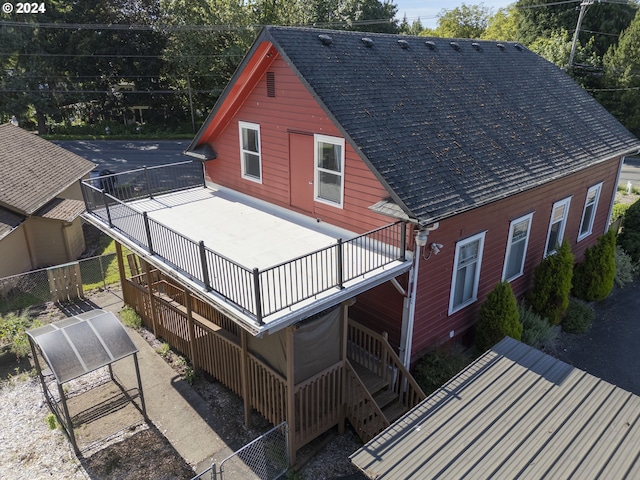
(358, 15)
(503, 25)
(557, 48)
(549, 297)
(622, 77)
(629, 238)
(465, 21)
(499, 317)
(593, 277)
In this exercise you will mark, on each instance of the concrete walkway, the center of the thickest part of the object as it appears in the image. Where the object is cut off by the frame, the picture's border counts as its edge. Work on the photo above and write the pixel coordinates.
(173, 406)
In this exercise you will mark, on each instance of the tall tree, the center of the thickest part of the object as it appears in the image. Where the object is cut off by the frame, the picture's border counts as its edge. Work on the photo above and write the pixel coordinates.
(465, 21)
(503, 25)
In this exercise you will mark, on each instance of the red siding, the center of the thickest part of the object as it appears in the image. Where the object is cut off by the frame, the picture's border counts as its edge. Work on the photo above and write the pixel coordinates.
(292, 110)
(381, 308)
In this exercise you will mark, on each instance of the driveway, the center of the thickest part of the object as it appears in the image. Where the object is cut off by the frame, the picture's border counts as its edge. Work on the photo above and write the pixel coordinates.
(611, 348)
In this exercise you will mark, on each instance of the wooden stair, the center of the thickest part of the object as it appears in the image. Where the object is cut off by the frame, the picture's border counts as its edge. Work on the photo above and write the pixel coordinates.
(386, 399)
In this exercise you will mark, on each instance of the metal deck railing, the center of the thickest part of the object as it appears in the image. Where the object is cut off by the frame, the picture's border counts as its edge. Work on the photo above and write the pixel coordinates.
(257, 293)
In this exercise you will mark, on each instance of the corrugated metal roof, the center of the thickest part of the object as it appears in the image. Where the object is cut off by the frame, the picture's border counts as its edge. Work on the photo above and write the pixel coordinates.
(514, 413)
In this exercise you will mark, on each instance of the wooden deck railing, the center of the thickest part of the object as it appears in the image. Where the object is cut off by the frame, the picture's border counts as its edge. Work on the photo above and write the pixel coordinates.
(267, 391)
(372, 350)
(318, 404)
(361, 409)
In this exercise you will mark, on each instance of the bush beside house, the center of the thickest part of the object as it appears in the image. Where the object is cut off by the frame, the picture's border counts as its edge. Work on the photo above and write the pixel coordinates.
(499, 317)
(629, 238)
(549, 297)
(593, 278)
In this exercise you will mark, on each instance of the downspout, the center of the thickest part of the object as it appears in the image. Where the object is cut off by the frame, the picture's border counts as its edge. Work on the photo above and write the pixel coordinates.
(409, 303)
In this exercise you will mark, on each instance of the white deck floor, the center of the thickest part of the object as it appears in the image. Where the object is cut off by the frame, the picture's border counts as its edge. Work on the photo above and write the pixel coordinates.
(256, 234)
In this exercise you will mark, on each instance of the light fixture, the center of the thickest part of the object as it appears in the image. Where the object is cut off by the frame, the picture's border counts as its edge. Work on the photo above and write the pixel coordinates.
(421, 237)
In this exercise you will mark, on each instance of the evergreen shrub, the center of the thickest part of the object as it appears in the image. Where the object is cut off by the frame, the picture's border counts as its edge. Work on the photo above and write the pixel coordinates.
(593, 278)
(499, 317)
(549, 297)
(626, 269)
(438, 367)
(629, 238)
(619, 210)
(536, 331)
(578, 318)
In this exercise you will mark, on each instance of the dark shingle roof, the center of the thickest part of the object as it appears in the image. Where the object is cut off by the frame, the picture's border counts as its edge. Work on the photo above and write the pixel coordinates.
(448, 129)
(8, 221)
(33, 171)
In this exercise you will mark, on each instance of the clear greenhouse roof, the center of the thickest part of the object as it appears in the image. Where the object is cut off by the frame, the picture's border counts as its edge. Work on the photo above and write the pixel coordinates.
(83, 343)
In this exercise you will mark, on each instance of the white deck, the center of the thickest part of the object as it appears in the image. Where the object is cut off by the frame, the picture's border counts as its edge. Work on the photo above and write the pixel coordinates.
(259, 235)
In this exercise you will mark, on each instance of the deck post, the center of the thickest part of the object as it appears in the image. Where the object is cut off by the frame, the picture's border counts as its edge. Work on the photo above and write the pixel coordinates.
(244, 365)
(106, 207)
(147, 273)
(192, 336)
(205, 268)
(120, 263)
(403, 242)
(343, 355)
(339, 264)
(258, 297)
(291, 395)
(147, 230)
(146, 178)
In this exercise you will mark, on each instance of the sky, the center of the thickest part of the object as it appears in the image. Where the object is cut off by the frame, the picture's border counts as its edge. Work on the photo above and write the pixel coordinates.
(427, 10)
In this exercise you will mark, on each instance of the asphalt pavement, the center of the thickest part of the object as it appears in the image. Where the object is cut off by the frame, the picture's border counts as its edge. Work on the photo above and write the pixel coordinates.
(611, 347)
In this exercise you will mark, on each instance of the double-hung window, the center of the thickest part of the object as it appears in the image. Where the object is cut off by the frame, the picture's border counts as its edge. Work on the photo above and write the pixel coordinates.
(250, 157)
(557, 224)
(466, 272)
(329, 170)
(517, 247)
(589, 213)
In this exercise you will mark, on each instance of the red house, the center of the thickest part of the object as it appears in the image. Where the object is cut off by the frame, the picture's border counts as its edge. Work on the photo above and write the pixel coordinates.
(407, 173)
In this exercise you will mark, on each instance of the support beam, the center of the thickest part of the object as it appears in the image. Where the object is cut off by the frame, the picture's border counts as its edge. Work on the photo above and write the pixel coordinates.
(154, 319)
(291, 395)
(343, 356)
(120, 262)
(244, 366)
(190, 327)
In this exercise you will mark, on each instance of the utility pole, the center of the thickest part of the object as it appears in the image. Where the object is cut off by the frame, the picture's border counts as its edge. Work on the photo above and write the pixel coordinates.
(583, 9)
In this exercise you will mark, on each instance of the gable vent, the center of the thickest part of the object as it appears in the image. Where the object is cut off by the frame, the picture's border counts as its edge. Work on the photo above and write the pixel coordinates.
(500, 46)
(430, 44)
(325, 39)
(455, 45)
(271, 84)
(476, 46)
(403, 43)
(367, 42)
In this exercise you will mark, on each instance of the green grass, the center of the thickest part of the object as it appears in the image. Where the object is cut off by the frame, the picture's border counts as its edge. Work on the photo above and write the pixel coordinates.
(91, 274)
(130, 318)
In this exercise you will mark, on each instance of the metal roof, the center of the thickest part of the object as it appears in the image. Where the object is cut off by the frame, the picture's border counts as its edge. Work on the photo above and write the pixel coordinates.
(514, 413)
(83, 343)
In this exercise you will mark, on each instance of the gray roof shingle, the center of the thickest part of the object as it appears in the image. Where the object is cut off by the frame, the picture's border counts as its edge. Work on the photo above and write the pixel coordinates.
(33, 170)
(448, 129)
(8, 222)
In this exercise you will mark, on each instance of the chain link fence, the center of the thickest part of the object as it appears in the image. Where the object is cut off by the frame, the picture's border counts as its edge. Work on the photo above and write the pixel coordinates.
(24, 290)
(265, 458)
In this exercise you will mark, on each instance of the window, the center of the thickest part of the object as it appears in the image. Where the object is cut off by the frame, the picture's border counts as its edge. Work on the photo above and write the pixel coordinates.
(329, 171)
(517, 247)
(556, 225)
(466, 272)
(589, 213)
(250, 151)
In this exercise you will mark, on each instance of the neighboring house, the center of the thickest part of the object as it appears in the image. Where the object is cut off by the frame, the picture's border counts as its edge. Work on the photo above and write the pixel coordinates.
(40, 202)
(405, 174)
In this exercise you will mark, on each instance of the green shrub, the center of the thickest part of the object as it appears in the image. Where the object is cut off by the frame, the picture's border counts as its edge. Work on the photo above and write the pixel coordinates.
(163, 349)
(578, 317)
(498, 317)
(130, 318)
(619, 210)
(629, 238)
(12, 332)
(438, 367)
(626, 270)
(549, 297)
(52, 421)
(536, 331)
(593, 277)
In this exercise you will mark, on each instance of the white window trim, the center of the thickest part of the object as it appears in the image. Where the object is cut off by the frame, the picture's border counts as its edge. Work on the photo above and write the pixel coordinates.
(507, 254)
(598, 189)
(559, 203)
(476, 281)
(316, 169)
(256, 127)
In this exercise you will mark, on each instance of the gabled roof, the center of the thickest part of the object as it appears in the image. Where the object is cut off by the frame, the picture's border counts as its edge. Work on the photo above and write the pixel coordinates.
(445, 125)
(514, 413)
(33, 171)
